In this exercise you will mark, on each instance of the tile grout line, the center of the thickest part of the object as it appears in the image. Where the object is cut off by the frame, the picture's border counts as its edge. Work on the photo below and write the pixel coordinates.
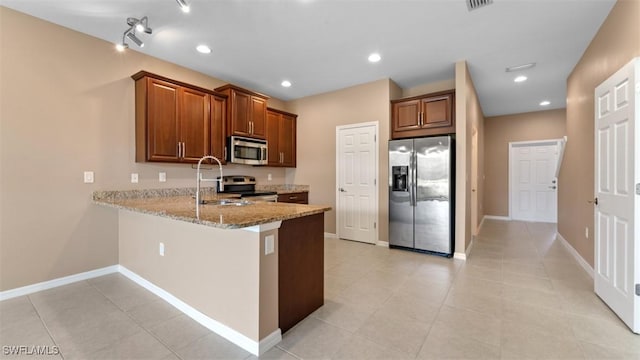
(45, 326)
(140, 325)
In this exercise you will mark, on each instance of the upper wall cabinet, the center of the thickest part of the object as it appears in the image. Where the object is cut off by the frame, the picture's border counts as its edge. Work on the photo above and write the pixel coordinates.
(246, 112)
(431, 114)
(177, 122)
(281, 138)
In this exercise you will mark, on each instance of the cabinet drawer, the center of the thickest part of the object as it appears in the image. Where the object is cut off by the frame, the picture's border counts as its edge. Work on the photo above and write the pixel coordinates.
(298, 198)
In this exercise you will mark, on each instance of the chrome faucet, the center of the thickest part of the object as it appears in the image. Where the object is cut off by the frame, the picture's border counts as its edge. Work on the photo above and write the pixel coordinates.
(219, 186)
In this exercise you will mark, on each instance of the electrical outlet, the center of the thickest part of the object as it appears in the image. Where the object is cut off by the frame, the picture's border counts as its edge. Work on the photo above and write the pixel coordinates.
(269, 177)
(162, 177)
(161, 249)
(134, 178)
(586, 232)
(269, 244)
(88, 177)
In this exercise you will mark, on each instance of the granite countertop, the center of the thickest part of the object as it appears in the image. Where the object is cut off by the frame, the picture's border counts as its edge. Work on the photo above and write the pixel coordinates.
(284, 189)
(179, 204)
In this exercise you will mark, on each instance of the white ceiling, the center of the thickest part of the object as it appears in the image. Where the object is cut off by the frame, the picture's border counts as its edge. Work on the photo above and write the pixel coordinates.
(323, 45)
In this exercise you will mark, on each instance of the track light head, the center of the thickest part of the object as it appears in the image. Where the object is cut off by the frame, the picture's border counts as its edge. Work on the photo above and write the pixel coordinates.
(135, 39)
(183, 6)
(122, 46)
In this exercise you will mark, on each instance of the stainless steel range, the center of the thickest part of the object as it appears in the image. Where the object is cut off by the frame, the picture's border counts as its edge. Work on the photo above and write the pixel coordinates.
(245, 186)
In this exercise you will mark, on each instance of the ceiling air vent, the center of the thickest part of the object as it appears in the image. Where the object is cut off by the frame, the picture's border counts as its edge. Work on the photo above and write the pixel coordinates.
(476, 4)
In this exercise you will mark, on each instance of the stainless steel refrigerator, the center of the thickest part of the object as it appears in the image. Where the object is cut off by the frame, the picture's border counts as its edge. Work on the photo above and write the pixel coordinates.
(421, 194)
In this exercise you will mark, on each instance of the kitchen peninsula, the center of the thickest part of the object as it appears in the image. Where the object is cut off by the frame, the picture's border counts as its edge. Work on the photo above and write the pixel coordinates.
(245, 271)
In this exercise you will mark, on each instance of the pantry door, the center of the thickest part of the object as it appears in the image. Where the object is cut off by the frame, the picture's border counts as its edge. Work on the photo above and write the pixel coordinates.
(356, 180)
(617, 194)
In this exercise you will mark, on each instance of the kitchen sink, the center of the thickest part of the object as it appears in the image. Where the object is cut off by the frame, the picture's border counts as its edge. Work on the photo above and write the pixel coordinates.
(228, 202)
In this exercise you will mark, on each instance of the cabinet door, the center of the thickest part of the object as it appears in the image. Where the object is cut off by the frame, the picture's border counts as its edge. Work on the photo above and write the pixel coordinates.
(405, 115)
(258, 117)
(163, 131)
(287, 136)
(240, 113)
(194, 124)
(437, 112)
(218, 119)
(273, 142)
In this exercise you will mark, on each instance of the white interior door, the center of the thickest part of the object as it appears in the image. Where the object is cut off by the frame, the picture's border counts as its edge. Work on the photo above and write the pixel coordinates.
(616, 211)
(534, 187)
(357, 200)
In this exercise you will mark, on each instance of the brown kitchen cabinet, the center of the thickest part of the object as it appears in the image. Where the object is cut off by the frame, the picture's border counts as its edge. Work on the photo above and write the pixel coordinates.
(296, 198)
(300, 269)
(177, 122)
(431, 114)
(281, 138)
(246, 112)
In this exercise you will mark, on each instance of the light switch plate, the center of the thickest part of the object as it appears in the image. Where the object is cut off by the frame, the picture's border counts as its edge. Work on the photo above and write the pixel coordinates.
(134, 178)
(162, 176)
(88, 177)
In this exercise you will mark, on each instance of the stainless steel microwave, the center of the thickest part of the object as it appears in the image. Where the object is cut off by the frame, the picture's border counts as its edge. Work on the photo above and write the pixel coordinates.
(247, 151)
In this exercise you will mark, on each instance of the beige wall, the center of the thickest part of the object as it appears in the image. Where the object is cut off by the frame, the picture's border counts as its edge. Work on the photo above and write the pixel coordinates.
(469, 119)
(499, 131)
(318, 117)
(615, 44)
(223, 273)
(67, 106)
(428, 88)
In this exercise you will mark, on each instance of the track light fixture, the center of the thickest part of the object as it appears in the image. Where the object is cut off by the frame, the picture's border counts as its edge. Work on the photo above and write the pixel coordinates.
(135, 39)
(183, 6)
(140, 25)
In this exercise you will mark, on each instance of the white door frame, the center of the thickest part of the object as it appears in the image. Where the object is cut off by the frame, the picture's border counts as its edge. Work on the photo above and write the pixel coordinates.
(514, 144)
(375, 171)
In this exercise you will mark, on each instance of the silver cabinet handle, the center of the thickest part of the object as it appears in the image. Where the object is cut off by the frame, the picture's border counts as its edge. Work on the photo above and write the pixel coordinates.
(225, 152)
(179, 149)
(184, 149)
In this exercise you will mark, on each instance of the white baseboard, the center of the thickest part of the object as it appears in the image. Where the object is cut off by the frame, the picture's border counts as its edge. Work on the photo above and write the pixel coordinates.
(330, 235)
(496, 217)
(45, 285)
(464, 255)
(383, 243)
(585, 265)
(252, 346)
(481, 224)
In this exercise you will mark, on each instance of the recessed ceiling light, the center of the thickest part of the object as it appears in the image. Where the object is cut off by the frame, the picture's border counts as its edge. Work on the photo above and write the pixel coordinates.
(520, 78)
(286, 83)
(374, 58)
(204, 49)
(545, 103)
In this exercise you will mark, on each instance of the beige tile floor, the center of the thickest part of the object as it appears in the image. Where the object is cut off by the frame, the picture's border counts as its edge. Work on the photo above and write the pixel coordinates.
(520, 295)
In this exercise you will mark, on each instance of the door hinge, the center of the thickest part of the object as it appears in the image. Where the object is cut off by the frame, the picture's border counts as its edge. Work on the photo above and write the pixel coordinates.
(375, 137)
(638, 189)
(374, 181)
(374, 226)
(638, 289)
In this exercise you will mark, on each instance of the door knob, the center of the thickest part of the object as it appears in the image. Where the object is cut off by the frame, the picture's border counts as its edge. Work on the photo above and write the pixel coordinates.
(342, 190)
(552, 187)
(594, 201)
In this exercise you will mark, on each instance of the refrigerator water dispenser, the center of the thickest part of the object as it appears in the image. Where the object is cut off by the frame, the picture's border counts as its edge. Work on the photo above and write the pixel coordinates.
(399, 176)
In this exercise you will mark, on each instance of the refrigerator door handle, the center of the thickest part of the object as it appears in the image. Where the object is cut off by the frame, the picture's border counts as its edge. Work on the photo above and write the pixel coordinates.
(412, 181)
